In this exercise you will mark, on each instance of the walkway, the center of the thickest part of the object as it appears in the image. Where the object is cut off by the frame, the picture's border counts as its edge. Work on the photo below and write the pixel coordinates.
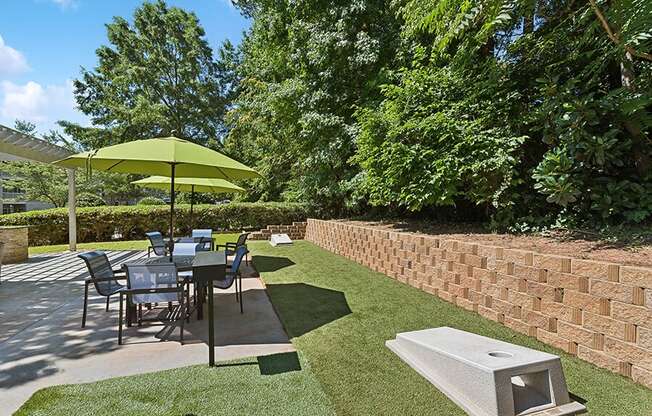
(42, 344)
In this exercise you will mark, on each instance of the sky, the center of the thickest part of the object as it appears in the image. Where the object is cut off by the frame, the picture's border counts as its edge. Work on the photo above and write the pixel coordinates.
(44, 43)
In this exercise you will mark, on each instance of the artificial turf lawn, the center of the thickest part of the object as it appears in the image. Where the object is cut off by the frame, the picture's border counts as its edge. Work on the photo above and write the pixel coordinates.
(281, 384)
(117, 245)
(339, 315)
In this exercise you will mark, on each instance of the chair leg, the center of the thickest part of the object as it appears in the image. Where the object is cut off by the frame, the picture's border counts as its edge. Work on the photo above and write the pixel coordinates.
(120, 322)
(107, 303)
(85, 305)
(140, 314)
(181, 311)
(237, 294)
(188, 302)
(241, 300)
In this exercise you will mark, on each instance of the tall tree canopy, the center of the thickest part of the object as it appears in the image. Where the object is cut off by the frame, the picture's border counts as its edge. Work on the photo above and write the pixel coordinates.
(305, 67)
(522, 111)
(157, 77)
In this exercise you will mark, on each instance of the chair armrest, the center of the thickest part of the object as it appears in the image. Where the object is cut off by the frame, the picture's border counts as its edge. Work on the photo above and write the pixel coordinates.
(104, 279)
(226, 245)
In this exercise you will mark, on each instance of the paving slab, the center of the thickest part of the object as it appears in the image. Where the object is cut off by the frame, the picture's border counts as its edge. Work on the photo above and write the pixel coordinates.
(42, 343)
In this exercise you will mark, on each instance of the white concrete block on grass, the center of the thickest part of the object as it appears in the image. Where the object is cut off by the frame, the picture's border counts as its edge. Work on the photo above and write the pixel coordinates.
(279, 239)
(487, 377)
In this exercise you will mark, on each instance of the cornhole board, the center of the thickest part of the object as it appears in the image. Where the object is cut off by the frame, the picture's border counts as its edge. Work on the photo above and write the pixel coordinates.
(280, 240)
(487, 377)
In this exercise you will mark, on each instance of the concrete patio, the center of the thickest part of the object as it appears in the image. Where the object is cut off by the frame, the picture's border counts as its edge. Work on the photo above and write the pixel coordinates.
(42, 342)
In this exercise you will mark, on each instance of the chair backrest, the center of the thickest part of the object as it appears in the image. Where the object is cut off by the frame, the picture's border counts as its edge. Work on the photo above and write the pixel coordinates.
(206, 233)
(157, 243)
(99, 267)
(153, 277)
(186, 249)
(242, 239)
(240, 252)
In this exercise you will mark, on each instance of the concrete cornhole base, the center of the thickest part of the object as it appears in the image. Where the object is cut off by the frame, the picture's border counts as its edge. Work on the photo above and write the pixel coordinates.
(279, 240)
(487, 377)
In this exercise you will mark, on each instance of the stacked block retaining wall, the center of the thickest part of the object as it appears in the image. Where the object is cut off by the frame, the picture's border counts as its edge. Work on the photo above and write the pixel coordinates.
(600, 312)
(296, 231)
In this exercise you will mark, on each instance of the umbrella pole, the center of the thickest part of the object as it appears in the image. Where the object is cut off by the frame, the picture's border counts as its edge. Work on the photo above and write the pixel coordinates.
(192, 202)
(172, 211)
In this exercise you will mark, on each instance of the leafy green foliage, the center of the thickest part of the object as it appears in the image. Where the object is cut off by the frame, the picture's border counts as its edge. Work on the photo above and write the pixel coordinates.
(132, 222)
(534, 112)
(151, 200)
(305, 67)
(158, 77)
(87, 199)
(434, 141)
(39, 181)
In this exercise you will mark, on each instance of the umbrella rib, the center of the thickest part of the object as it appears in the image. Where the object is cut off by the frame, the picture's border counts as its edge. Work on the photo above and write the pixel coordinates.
(114, 165)
(223, 173)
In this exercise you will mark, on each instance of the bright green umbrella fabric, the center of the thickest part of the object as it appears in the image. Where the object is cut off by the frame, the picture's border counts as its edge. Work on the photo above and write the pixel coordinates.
(156, 156)
(168, 156)
(209, 185)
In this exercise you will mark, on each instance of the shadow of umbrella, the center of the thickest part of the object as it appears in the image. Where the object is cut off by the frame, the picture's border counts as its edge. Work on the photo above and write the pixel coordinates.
(303, 307)
(271, 263)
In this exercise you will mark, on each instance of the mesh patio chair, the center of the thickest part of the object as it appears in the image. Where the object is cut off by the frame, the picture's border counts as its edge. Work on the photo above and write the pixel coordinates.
(233, 275)
(204, 236)
(2, 251)
(102, 276)
(231, 248)
(151, 284)
(156, 244)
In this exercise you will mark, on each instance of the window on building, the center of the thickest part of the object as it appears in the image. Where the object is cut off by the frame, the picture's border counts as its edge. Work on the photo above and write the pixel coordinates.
(11, 208)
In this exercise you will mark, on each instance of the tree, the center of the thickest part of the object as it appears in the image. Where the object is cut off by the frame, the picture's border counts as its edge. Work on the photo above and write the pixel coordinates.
(39, 181)
(525, 112)
(156, 78)
(305, 68)
(45, 182)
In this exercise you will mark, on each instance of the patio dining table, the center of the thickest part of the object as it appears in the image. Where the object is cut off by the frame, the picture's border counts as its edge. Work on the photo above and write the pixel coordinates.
(206, 266)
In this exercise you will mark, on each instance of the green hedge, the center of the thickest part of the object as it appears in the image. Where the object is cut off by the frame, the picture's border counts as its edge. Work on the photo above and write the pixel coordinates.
(101, 223)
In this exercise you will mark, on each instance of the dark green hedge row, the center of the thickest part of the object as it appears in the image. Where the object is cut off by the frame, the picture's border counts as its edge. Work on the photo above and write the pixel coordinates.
(131, 222)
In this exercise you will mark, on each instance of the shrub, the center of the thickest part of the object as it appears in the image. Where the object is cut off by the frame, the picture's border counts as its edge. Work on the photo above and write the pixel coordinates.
(100, 223)
(87, 199)
(151, 200)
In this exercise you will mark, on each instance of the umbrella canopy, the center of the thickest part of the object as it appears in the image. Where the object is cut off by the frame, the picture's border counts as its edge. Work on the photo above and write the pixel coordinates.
(209, 185)
(156, 156)
(168, 156)
(192, 185)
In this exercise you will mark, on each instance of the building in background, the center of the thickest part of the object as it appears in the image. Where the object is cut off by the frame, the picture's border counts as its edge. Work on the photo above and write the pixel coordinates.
(12, 199)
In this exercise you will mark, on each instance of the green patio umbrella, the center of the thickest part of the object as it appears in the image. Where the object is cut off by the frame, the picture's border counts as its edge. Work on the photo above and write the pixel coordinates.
(168, 156)
(192, 185)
